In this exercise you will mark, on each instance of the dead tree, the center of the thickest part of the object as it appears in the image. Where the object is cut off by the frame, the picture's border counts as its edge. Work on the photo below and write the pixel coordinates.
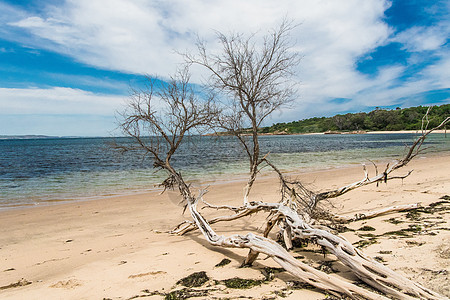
(160, 133)
(185, 113)
(256, 79)
(296, 214)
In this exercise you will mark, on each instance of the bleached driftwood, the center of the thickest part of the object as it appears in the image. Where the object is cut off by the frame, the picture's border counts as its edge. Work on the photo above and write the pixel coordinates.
(373, 214)
(370, 271)
(294, 215)
(267, 246)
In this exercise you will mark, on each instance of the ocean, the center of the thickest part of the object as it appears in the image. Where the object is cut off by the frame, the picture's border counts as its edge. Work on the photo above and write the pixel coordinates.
(44, 171)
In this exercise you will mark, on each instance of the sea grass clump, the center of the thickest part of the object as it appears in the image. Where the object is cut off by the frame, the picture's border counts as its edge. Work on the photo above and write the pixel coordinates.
(364, 243)
(379, 259)
(401, 233)
(299, 285)
(393, 221)
(367, 228)
(196, 279)
(185, 294)
(223, 262)
(241, 283)
(413, 215)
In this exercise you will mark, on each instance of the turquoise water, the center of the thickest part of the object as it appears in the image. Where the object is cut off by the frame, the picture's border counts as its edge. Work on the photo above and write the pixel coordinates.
(40, 171)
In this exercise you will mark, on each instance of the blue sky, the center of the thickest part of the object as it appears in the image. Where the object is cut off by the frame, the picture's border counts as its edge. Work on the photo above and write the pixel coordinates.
(66, 66)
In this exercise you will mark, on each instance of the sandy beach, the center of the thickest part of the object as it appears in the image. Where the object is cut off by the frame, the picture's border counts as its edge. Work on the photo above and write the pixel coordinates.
(119, 248)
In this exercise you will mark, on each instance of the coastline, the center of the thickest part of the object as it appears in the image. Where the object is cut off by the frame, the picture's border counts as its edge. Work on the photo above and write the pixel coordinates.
(440, 131)
(116, 247)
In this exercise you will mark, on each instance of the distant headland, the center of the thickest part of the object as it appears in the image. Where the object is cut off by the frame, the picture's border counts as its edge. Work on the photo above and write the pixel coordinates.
(26, 137)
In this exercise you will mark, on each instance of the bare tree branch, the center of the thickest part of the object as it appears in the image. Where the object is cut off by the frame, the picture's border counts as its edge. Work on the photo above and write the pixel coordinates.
(158, 119)
(413, 151)
(256, 77)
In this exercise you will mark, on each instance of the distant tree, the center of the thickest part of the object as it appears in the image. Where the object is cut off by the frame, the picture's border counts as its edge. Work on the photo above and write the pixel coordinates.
(357, 121)
(379, 119)
(339, 121)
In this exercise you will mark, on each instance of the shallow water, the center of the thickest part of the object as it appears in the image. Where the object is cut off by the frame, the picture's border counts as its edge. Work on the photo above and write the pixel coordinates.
(45, 170)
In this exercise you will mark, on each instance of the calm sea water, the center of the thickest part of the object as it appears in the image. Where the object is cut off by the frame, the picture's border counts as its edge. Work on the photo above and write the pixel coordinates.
(39, 171)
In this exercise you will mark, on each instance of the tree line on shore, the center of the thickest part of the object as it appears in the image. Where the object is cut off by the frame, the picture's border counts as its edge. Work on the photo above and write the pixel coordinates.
(376, 120)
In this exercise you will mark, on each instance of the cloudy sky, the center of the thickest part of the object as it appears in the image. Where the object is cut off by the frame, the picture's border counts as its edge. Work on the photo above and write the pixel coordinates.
(66, 66)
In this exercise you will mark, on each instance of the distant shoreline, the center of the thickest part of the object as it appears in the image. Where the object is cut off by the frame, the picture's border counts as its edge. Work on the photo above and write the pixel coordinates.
(441, 131)
(25, 137)
(38, 136)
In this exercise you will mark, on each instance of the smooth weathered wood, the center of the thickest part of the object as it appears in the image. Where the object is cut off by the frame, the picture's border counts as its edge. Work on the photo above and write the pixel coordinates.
(373, 214)
(370, 271)
(259, 244)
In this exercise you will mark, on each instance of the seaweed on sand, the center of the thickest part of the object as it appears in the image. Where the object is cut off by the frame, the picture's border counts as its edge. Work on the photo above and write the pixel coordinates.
(365, 243)
(223, 262)
(21, 282)
(196, 279)
(185, 294)
(367, 228)
(241, 283)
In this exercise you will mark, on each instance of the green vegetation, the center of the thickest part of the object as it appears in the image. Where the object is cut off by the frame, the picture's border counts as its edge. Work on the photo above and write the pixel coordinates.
(240, 283)
(364, 243)
(367, 228)
(379, 259)
(185, 294)
(376, 120)
(194, 280)
(394, 221)
(223, 262)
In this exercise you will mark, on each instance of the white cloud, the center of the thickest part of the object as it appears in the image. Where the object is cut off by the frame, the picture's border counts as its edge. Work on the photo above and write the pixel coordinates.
(141, 36)
(57, 101)
(417, 39)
